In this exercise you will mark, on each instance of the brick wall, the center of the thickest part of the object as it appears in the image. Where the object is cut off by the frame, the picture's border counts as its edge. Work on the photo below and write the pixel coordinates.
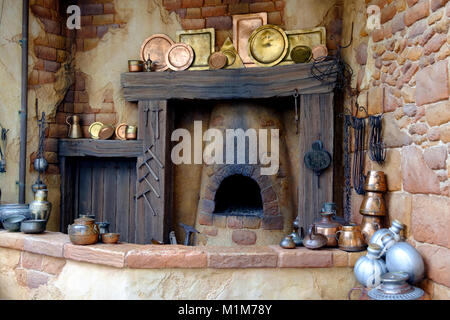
(199, 14)
(403, 72)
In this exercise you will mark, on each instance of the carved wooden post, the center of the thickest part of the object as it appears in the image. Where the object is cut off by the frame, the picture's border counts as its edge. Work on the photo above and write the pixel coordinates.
(154, 173)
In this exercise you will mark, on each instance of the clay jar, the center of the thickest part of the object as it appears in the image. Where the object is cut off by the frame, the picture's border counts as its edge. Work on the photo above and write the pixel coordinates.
(84, 231)
(328, 228)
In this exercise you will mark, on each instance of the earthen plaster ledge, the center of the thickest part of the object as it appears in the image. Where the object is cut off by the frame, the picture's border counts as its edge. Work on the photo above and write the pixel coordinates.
(133, 256)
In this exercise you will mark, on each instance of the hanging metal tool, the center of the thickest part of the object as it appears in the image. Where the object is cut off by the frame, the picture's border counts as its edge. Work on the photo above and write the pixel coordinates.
(3, 138)
(156, 111)
(297, 111)
(377, 151)
(347, 167)
(318, 159)
(144, 178)
(40, 163)
(359, 127)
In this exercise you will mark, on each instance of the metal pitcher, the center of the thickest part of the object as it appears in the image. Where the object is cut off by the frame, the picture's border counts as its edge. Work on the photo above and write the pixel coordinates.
(75, 131)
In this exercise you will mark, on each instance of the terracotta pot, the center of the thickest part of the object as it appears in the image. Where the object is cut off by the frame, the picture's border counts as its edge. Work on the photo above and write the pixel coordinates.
(84, 232)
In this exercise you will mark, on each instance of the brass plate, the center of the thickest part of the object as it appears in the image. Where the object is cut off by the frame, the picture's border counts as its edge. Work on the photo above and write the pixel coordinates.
(268, 45)
(243, 27)
(301, 54)
(306, 37)
(202, 42)
(234, 61)
(94, 130)
(180, 57)
(157, 46)
(121, 131)
(217, 61)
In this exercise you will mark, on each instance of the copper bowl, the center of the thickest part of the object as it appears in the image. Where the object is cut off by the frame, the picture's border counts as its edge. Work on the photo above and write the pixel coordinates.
(376, 181)
(135, 65)
(111, 238)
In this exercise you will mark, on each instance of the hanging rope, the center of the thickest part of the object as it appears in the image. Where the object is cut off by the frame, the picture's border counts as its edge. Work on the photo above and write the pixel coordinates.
(359, 125)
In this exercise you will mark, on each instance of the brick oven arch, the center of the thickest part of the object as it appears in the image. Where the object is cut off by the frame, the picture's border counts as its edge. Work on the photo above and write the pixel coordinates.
(216, 175)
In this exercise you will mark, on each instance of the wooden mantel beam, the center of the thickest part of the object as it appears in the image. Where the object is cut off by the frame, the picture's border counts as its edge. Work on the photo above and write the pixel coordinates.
(256, 83)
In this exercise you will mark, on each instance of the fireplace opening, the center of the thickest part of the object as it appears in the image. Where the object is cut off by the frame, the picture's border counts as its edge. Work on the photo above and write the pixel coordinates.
(238, 195)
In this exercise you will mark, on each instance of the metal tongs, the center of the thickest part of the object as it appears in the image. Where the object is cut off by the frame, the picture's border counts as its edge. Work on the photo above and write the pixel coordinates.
(3, 137)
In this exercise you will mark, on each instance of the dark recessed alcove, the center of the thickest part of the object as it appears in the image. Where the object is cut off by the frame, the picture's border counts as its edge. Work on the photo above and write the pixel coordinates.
(238, 196)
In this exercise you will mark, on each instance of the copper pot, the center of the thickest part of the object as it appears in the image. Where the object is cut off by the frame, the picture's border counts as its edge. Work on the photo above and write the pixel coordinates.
(131, 133)
(135, 65)
(350, 238)
(376, 181)
(373, 205)
(370, 225)
(328, 228)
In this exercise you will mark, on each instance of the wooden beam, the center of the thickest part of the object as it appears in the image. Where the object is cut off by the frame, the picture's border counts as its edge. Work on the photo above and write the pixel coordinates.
(277, 81)
(100, 148)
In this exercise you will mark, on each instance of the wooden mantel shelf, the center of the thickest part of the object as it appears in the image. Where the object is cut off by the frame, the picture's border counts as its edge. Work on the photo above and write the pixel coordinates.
(100, 148)
(277, 81)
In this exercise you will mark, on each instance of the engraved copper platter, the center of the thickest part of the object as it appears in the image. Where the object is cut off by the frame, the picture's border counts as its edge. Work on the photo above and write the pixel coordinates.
(217, 61)
(202, 42)
(243, 27)
(306, 37)
(234, 61)
(156, 46)
(268, 45)
(179, 57)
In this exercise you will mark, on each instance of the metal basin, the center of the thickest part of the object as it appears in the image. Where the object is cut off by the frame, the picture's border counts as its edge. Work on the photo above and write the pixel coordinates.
(13, 223)
(33, 226)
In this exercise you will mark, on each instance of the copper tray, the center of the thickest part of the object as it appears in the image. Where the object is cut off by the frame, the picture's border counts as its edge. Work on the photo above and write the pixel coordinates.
(243, 27)
(156, 46)
(202, 42)
(320, 52)
(234, 61)
(179, 57)
(306, 37)
(268, 45)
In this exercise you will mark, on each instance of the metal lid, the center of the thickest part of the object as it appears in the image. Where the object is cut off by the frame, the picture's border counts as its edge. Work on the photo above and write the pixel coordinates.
(84, 221)
(106, 132)
(320, 52)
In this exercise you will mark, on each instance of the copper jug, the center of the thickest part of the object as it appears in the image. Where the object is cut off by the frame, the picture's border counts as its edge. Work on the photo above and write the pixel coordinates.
(373, 205)
(328, 227)
(350, 238)
(75, 131)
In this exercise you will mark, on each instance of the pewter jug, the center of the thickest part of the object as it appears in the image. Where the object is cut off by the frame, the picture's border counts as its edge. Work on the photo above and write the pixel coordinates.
(287, 243)
(405, 258)
(369, 268)
(75, 131)
(296, 236)
(394, 231)
(40, 208)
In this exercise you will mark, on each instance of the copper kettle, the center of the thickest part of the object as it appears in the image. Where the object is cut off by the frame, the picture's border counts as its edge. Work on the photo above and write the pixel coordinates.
(75, 131)
(314, 240)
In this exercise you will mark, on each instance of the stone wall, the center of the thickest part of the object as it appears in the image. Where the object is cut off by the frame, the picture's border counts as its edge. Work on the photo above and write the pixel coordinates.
(402, 71)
